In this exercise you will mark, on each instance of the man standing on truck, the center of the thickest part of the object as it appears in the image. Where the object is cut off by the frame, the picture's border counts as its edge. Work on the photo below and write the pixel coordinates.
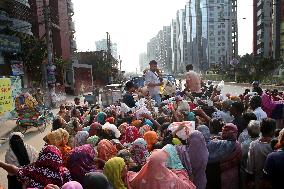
(154, 81)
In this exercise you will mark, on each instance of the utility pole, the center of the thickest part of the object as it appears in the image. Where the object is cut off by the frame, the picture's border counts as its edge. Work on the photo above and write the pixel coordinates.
(47, 23)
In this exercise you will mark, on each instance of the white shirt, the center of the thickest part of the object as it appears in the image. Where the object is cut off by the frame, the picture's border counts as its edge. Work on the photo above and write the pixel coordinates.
(151, 77)
(260, 114)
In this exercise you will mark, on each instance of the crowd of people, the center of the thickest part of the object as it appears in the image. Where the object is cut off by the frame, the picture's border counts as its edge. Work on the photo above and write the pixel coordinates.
(196, 138)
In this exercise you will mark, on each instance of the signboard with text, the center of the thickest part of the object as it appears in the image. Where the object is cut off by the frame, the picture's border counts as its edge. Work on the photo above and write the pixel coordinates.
(6, 100)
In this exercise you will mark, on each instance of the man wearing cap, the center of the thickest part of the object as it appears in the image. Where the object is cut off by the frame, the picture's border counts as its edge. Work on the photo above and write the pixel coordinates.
(153, 81)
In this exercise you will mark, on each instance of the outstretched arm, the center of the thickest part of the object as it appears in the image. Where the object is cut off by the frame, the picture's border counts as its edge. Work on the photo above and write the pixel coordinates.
(12, 169)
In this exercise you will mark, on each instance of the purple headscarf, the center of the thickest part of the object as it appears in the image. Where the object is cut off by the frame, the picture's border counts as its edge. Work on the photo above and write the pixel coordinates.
(81, 161)
(198, 154)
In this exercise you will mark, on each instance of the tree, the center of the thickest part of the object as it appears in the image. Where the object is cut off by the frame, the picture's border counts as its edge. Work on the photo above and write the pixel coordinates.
(60, 69)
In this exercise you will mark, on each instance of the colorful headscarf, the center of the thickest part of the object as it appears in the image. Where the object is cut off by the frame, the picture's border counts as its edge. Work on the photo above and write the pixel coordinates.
(47, 169)
(148, 122)
(176, 141)
(81, 161)
(110, 120)
(123, 127)
(136, 123)
(154, 174)
(139, 151)
(106, 150)
(144, 129)
(173, 161)
(205, 132)
(93, 140)
(81, 138)
(96, 180)
(72, 185)
(130, 135)
(151, 138)
(230, 132)
(95, 129)
(101, 117)
(59, 138)
(112, 170)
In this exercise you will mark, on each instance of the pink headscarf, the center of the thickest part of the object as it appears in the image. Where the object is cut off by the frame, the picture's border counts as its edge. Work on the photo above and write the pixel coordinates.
(72, 185)
(149, 178)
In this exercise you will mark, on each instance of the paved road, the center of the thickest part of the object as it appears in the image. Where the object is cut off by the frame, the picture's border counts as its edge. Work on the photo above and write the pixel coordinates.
(35, 138)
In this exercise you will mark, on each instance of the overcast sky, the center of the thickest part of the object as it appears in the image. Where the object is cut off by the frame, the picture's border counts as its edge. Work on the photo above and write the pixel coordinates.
(132, 23)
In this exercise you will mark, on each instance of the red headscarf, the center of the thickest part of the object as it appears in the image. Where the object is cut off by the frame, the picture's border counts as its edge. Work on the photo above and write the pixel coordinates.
(94, 129)
(130, 135)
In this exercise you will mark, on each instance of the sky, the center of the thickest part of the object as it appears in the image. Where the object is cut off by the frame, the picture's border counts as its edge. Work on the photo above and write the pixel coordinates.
(132, 23)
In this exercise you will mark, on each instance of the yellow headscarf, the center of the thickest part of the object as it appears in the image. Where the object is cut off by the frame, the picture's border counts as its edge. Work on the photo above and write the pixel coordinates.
(58, 137)
(112, 170)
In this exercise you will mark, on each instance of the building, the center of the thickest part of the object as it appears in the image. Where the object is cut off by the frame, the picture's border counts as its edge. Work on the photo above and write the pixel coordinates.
(60, 13)
(278, 29)
(181, 37)
(222, 32)
(102, 46)
(159, 49)
(174, 45)
(143, 61)
(15, 15)
(262, 28)
(197, 34)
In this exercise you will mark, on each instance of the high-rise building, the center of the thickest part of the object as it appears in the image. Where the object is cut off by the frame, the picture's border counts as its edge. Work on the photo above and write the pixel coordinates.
(102, 46)
(197, 33)
(143, 61)
(174, 45)
(262, 28)
(159, 49)
(278, 29)
(182, 52)
(222, 31)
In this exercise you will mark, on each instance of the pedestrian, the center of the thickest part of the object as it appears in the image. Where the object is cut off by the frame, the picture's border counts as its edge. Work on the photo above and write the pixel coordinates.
(154, 81)
(128, 97)
(96, 180)
(193, 81)
(18, 154)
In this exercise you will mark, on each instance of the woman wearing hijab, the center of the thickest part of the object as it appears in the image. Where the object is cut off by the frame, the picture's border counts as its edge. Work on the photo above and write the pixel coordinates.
(82, 161)
(144, 129)
(130, 135)
(224, 159)
(151, 138)
(96, 180)
(81, 138)
(47, 169)
(115, 170)
(230, 164)
(95, 129)
(174, 163)
(18, 154)
(59, 138)
(101, 118)
(139, 151)
(149, 178)
(194, 156)
(106, 150)
(72, 127)
(127, 156)
(72, 185)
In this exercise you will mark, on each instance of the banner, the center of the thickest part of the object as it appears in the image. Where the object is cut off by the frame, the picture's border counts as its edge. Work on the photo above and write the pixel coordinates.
(6, 100)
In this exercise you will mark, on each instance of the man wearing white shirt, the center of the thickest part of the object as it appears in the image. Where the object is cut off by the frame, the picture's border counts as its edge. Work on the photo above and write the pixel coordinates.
(255, 104)
(153, 81)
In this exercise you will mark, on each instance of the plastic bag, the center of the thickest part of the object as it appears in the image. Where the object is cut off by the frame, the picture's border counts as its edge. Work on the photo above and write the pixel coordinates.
(185, 132)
